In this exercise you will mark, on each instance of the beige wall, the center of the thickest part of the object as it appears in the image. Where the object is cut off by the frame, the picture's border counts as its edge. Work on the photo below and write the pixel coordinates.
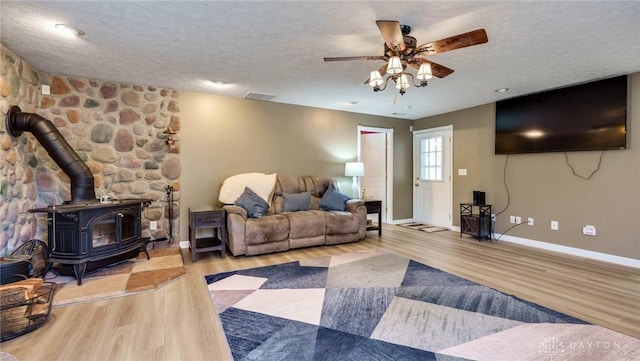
(542, 186)
(222, 136)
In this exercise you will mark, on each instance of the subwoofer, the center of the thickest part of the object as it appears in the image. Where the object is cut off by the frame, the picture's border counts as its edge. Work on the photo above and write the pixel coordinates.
(478, 198)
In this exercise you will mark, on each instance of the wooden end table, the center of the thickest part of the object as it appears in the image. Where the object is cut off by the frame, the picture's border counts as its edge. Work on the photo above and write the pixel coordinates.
(207, 217)
(375, 206)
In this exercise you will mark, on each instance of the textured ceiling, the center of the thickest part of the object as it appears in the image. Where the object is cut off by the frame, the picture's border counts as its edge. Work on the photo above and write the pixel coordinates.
(278, 47)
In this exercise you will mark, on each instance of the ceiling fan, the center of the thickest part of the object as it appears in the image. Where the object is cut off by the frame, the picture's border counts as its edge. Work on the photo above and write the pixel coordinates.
(401, 50)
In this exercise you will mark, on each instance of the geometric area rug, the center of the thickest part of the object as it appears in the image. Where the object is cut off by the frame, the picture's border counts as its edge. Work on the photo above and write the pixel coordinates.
(376, 305)
(124, 278)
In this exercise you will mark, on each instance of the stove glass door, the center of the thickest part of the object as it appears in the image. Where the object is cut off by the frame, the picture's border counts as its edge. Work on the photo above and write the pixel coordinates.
(104, 232)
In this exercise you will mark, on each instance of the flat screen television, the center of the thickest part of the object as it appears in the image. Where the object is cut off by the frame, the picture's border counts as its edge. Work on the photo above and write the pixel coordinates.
(589, 116)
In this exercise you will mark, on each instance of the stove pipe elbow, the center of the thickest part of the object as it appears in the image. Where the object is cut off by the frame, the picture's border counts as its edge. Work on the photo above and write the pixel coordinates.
(82, 182)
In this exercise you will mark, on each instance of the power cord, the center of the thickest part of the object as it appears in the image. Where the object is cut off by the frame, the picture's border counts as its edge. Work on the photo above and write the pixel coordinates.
(506, 187)
(508, 229)
(504, 181)
(566, 159)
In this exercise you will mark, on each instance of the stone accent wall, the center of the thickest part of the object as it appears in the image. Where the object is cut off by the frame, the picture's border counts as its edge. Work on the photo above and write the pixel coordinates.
(117, 129)
(18, 191)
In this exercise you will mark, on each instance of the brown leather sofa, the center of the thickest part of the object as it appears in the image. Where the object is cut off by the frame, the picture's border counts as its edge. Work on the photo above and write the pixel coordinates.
(280, 230)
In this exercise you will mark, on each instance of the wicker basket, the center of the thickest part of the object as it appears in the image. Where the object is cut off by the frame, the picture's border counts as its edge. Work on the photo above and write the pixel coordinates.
(24, 308)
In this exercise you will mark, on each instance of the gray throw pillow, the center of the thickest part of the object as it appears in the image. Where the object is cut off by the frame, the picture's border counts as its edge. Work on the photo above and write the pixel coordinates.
(296, 202)
(255, 206)
(332, 200)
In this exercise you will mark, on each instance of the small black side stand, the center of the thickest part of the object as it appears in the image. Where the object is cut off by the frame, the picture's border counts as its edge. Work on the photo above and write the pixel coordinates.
(169, 191)
(145, 240)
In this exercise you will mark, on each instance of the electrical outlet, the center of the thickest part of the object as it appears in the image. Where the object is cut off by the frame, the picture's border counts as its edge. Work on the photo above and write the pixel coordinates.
(518, 219)
(512, 219)
(554, 225)
(530, 221)
(589, 230)
(493, 217)
(153, 225)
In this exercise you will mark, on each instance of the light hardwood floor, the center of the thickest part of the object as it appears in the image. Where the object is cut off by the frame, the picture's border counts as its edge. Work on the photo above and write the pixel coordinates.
(178, 321)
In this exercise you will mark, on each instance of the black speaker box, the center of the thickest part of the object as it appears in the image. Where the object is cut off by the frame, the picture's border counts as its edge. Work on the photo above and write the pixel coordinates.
(478, 198)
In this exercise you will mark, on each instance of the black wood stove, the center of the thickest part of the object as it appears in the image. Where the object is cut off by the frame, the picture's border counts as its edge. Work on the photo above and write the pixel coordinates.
(84, 233)
(89, 236)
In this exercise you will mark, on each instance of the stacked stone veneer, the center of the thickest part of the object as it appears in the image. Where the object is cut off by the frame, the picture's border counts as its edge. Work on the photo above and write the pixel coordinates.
(117, 129)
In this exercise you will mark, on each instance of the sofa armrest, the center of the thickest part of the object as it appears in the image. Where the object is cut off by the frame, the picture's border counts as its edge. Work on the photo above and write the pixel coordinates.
(353, 204)
(233, 209)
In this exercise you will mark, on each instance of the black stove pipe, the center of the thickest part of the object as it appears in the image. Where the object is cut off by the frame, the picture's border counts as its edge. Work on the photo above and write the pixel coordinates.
(82, 183)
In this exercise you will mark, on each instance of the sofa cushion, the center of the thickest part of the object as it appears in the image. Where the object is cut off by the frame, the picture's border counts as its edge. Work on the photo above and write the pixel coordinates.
(318, 185)
(289, 184)
(268, 229)
(296, 202)
(255, 206)
(306, 224)
(332, 200)
(342, 222)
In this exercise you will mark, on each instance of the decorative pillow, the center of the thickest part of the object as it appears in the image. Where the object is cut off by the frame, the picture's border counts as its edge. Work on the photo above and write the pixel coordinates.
(332, 200)
(296, 202)
(255, 206)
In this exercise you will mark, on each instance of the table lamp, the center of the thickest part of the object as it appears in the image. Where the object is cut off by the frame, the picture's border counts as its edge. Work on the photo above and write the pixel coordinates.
(355, 170)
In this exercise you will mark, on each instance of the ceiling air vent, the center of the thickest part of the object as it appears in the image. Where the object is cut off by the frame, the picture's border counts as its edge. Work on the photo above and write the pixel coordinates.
(259, 96)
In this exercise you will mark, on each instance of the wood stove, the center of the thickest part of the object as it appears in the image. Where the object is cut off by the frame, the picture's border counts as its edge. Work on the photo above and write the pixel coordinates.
(88, 236)
(84, 233)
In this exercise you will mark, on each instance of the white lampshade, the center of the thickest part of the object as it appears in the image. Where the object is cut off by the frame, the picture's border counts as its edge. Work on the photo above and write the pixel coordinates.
(402, 83)
(394, 66)
(375, 79)
(424, 73)
(354, 169)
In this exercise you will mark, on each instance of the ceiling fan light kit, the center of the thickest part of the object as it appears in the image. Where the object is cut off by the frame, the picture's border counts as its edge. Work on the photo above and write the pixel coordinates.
(402, 83)
(375, 79)
(394, 66)
(425, 73)
(400, 52)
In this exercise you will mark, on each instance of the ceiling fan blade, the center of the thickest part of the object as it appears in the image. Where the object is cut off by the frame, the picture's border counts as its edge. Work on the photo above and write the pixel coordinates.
(382, 71)
(391, 34)
(345, 58)
(474, 37)
(437, 70)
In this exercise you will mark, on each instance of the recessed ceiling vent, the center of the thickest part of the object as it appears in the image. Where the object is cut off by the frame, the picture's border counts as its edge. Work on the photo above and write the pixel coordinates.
(259, 96)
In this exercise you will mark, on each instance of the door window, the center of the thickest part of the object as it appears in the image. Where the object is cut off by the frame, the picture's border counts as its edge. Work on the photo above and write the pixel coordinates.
(431, 158)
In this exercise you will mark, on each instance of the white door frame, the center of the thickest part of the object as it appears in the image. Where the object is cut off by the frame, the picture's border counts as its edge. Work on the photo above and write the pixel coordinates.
(388, 211)
(448, 167)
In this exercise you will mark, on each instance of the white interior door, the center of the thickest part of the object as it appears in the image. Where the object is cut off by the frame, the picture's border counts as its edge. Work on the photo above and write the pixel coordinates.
(373, 155)
(432, 188)
(375, 152)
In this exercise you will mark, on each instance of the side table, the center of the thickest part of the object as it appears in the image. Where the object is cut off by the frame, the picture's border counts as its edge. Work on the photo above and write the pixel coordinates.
(207, 217)
(374, 206)
(475, 220)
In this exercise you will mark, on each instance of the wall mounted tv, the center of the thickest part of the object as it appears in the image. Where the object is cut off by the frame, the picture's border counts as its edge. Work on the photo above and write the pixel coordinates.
(589, 116)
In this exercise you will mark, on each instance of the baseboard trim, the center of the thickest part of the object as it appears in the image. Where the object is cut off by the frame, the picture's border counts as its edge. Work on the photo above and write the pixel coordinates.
(579, 252)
